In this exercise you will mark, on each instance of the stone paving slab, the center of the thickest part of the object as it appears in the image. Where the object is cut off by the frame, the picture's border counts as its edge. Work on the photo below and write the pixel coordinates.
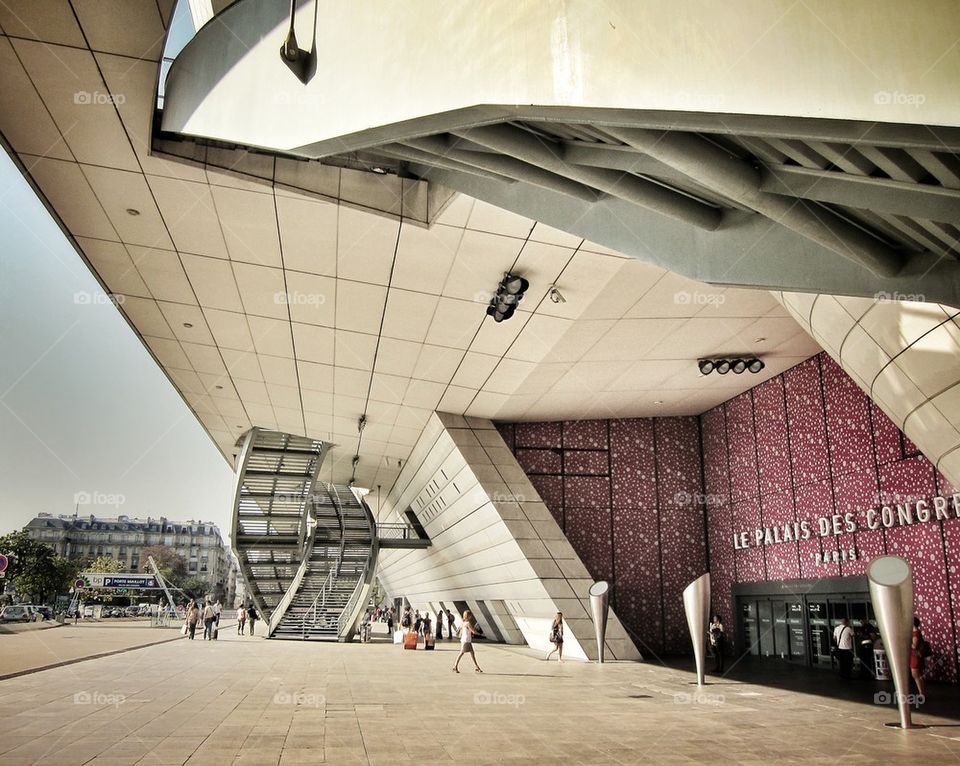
(27, 651)
(246, 700)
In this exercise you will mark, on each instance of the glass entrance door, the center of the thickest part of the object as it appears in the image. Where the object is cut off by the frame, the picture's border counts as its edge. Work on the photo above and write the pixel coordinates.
(819, 633)
(796, 631)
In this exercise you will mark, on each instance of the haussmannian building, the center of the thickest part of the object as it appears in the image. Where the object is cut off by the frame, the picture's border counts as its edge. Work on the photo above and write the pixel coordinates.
(123, 538)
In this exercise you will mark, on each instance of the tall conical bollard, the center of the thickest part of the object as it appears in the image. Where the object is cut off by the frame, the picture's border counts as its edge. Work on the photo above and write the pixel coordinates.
(891, 591)
(599, 605)
(696, 603)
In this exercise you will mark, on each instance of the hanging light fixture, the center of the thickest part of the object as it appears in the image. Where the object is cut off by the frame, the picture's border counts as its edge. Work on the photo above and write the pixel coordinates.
(509, 293)
(737, 365)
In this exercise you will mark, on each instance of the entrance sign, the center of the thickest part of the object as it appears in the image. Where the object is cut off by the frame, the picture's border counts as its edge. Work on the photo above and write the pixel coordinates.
(4, 561)
(117, 580)
(939, 508)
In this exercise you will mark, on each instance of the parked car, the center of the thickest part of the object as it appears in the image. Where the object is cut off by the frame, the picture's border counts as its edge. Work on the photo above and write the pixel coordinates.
(131, 611)
(41, 611)
(17, 613)
(116, 612)
(88, 611)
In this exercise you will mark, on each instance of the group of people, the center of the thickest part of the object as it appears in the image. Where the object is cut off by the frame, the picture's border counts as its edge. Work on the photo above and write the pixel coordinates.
(865, 638)
(246, 615)
(209, 614)
(424, 625)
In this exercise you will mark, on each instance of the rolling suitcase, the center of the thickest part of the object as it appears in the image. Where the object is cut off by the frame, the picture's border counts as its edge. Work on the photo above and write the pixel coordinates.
(410, 641)
(428, 642)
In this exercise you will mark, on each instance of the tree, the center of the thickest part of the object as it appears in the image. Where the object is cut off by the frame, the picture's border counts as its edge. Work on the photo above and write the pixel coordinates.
(104, 564)
(195, 587)
(35, 569)
(171, 564)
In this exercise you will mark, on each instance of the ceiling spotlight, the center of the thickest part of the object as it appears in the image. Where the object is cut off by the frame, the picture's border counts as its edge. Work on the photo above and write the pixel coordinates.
(509, 293)
(219, 388)
(657, 401)
(187, 325)
(132, 211)
(379, 170)
(555, 296)
(723, 366)
(759, 340)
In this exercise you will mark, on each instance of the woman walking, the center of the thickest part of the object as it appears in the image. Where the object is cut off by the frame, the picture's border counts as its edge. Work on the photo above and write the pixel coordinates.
(718, 640)
(241, 619)
(209, 617)
(439, 625)
(466, 632)
(556, 638)
(252, 617)
(919, 651)
(193, 617)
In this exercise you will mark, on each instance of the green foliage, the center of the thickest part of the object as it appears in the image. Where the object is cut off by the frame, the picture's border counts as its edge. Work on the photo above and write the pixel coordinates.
(171, 564)
(104, 564)
(35, 569)
(195, 587)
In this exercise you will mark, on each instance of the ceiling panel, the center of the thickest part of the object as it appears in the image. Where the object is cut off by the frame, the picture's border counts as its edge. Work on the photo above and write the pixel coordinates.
(308, 234)
(366, 243)
(75, 95)
(249, 223)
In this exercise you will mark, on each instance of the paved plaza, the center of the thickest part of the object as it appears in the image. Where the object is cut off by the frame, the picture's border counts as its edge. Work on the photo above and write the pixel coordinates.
(252, 701)
(25, 648)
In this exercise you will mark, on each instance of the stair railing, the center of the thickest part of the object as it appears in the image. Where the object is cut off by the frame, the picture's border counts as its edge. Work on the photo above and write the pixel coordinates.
(351, 614)
(319, 601)
(277, 614)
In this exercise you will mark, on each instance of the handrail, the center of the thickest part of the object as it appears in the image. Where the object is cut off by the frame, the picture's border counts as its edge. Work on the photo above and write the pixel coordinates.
(281, 609)
(396, 531)
(321, 599)
(347, 622)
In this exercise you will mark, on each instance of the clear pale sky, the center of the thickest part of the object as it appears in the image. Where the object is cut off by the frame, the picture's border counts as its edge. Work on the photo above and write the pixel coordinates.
(83, 407)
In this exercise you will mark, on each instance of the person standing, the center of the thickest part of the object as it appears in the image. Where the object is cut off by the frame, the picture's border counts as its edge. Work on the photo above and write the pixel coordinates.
(439, 625)
(843, 638)
(466, 642)
(450, 625)
(718, 641)
(390, 623)
(208, 619)
(241, 619)
(193, 617)
(919, 651)
(217, 609)
(417, 623)
(252, 618)
(427, 626)
(556, 638)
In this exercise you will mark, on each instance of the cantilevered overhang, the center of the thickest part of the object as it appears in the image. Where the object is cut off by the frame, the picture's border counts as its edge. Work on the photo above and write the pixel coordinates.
(748, 144)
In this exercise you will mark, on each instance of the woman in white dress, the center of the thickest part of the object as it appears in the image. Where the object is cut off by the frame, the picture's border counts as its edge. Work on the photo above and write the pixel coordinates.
(556, 637)
(466, 632)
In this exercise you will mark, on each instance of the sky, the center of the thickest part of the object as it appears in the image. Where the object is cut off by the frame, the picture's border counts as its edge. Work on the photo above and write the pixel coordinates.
(86, 414)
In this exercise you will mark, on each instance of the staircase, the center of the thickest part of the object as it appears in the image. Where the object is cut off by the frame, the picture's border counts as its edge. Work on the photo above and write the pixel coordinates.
(339, 565)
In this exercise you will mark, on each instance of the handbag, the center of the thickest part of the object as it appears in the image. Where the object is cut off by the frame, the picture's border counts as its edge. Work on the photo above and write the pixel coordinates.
(183, 629)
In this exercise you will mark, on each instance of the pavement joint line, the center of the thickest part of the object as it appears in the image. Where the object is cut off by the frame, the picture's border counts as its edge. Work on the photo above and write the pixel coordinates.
(75, 660)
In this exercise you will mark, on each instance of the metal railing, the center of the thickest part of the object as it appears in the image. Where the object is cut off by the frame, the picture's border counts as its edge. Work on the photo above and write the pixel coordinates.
(325, 590)
(396, 531)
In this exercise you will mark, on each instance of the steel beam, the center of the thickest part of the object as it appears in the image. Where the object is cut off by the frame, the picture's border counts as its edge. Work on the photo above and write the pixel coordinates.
(716, 169)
